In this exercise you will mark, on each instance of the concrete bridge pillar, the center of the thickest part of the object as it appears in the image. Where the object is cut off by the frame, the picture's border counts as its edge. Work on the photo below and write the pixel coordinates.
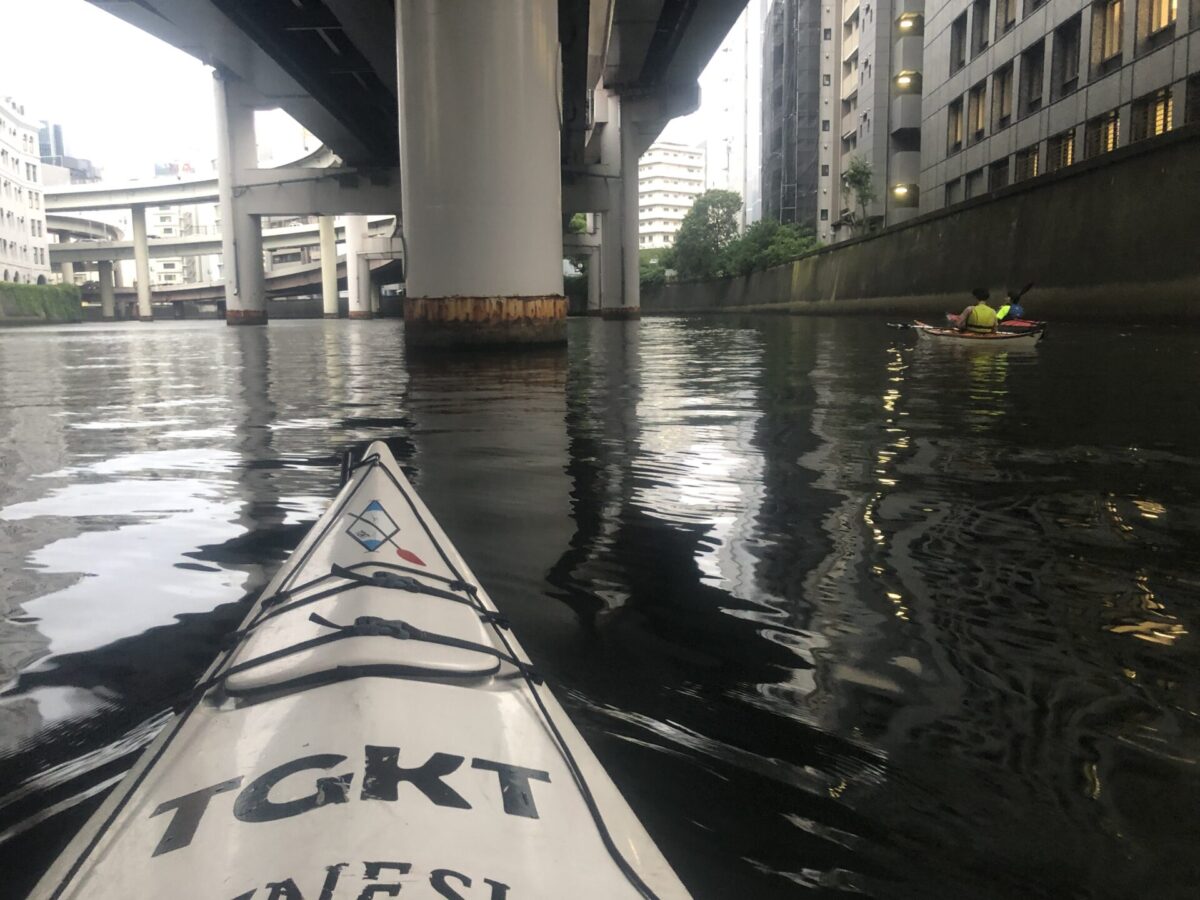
(107, 300)
(141, 258)
(241, 233)
(358, 269)
(480, 164)
(593, 282)
(68, 272)
(630, 252)
(329, 279)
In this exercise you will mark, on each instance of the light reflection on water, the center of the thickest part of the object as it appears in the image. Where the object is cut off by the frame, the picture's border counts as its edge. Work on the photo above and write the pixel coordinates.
(842, 615)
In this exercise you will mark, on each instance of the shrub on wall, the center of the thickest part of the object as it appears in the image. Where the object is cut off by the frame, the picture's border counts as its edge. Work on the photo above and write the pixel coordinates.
(47, 302)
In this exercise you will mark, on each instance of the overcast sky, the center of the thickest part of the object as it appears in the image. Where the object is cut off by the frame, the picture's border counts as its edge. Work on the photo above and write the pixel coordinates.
(127, 100)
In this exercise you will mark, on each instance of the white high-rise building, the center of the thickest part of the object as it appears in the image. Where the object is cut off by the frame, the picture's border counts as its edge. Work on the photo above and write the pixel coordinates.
(670, 178)
(23, 255)
(731, 91)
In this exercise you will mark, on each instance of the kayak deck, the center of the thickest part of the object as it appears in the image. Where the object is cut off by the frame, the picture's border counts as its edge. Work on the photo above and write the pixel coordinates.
(374, 723)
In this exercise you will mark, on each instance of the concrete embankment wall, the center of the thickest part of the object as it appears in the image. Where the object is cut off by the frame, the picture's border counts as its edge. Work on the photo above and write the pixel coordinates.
(1113, 237)
(38, 304)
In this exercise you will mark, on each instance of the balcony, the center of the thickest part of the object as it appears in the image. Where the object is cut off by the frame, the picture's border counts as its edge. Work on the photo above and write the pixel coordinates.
(850, 84)
(906, 112)
(849, 123)
(850, 45)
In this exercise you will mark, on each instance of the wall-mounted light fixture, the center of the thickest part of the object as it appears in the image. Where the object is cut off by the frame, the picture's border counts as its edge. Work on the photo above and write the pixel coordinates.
(906, 195)
(910, 24)
(907, 81)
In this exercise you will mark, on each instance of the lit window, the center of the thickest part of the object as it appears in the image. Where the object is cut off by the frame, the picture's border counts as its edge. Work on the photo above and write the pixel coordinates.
(1107, 23)
(1153, 114)
(1026, 163)
(1162, 14)
(1060, 151)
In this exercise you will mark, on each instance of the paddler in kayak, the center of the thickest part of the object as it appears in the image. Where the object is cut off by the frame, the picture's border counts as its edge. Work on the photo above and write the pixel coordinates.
(979, 318)
(1012, 308)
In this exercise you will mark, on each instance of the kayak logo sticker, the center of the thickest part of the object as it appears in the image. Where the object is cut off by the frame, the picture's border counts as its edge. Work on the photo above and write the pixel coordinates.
(373, 528)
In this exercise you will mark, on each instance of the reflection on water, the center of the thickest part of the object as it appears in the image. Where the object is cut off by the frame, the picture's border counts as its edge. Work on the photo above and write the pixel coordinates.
(842, 615)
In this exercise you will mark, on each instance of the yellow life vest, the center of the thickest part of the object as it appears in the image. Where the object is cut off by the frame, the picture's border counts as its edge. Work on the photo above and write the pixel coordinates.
(981, 318)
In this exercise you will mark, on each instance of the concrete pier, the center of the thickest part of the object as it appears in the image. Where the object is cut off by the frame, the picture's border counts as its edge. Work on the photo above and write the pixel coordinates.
(358, 270)
(329, 279)
(141, 258)
(241, 232)
(108, 309)
(481, 172)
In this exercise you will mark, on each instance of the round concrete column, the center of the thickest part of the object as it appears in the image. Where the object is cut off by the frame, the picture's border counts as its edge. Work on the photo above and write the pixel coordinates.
(329, 279)
(358, 269)
(612, 288)
(630, 212)
(107, 301)
(141, 258)
(480, 162)
(241, 234)
(68, 272)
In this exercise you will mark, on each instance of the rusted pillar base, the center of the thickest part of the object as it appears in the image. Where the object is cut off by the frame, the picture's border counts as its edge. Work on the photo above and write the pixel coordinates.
(245, 317)
(443, 323)
(621, 312)
(361, 314)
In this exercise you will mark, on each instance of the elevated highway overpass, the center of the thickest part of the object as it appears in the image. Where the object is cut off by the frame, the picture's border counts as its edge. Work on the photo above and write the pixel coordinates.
(541, 109)
(93, 250)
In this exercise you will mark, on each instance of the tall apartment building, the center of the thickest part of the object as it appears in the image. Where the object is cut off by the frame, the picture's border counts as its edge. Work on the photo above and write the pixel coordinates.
(23, 254)
(1017, 88)
(731, 88)
(670, 178)
(837, 75)
(791, 112)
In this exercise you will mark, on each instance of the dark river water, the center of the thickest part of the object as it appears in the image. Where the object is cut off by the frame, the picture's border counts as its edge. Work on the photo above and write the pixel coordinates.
(840, 615)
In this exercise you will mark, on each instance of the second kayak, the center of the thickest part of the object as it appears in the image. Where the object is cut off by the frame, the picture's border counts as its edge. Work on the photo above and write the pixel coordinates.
(995, 339)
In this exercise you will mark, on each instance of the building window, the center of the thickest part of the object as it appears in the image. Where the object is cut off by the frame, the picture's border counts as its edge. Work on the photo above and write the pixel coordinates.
(1155, 15)
(958, 43)
(1060, 151)
(1006, 16)
(1152, 115)
(1026, 164)
(1106, 35)
(1102, 134)
(1031, 5)
(954, 129)
(1191, 110)
(824, 124)
(827, 80)
(998, 174)
(825, 168)
(824, 215)
(975, 184)
(827, 34)
(1064, 73)
(976, 117)
(1002, 97)
(954, 191)
(1033, 73)
(979, 26)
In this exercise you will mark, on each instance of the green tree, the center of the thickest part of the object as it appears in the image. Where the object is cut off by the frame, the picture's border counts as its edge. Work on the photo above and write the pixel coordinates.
(765, 244)
(858, 182)
(578, 224)
(708, 228)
